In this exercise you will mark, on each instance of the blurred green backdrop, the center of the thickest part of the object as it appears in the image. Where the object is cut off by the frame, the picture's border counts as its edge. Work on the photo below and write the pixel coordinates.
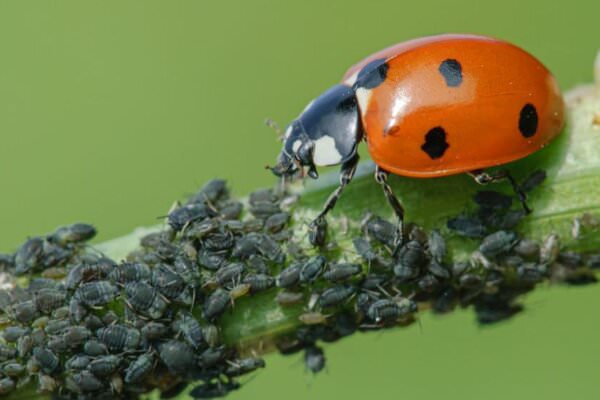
(110, 110)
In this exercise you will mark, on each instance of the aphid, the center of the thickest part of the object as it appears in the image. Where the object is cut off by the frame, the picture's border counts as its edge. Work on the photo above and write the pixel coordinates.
(263, 209)
(75, 233)
(95, 293)
(188, 213)
(219, 240)
(286, 298)
(276, 222)
(210, 260)
(269, 249)
(104, 365)
(492, 310)
(94, 348)
(57, 344)
(211, 335)
(342, 271)
(47, 300)
(336, 295)
(314, 358)
(593, 261)
(47, 360)
(259, 282)
(239, 290)
(116, 383)
(46, 384)
(531, 273)
(410, 258)
(25, 311)
(198, 230)
(290, 276)
(139, 368)
(55, 326)
(24, 346)
(312, 268)
(212, 356)
(570, 259)
(131, 272)
(428, 283)
(76, 310)
(446, 300)
(211, 390)
(231, 210)
(191, 330)
(263, 195)
(317, 232)
(87, 382)
(7, 385)
(119, 337)
(470, 281)
(533, 180)
(492, 200)
(438, 270)
(81, 273)
(230, 273)
(154, 330)
(436, 245)
(313, 318)
(283, 235)
(187, 270)
(211, 192)
(549, 249)
(498, 243)
(216, 304)
(78, 362)
(92, 322)
(364, 249)
(145, 299)
(527, 248)
(468, 226)
(7, 261)
(177, 356)
(29, 255)
(13, 369)
(244, 366)
(54, 255)
(386, 310)
(168, 282)
(12, 333)
(54, 273)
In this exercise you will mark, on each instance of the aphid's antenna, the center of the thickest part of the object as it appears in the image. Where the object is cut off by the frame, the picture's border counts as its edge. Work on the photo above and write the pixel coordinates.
(275, 126)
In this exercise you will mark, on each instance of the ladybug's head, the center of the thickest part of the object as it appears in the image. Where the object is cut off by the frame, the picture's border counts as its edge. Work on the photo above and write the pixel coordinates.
(326, 133)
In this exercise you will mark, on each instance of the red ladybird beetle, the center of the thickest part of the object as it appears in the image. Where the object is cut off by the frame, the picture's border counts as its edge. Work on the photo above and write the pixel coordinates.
(429, 107)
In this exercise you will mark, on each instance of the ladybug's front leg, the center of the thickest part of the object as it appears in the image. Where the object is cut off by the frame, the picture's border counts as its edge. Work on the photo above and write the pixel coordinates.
(381, 177)
(318, 226)
(483, 178)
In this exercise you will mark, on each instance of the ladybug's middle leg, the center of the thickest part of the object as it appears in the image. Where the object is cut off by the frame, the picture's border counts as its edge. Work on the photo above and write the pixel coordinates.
(483, 178)
(346, 174)
(381, 176)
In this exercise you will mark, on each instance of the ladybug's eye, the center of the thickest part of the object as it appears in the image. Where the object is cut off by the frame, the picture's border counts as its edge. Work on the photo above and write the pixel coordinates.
(304, 154)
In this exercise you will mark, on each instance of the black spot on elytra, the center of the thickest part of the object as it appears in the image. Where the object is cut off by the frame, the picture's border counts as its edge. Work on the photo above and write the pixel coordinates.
(372, 74)
(451, 71)
(528, 120)
(435, 143)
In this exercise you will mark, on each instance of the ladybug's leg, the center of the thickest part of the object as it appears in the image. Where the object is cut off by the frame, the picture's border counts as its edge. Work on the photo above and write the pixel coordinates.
(381, 176)
(483, 178)
(346, 174)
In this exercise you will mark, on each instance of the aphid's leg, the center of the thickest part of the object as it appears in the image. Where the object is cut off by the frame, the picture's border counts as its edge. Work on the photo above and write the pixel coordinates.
(346, 174)
(381, 177)
(483, 178)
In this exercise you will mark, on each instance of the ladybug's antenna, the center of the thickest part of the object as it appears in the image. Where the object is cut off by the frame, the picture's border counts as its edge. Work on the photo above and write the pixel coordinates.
(275, 126)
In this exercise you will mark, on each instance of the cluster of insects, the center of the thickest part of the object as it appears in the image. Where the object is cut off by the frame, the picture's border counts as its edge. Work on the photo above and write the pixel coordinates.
(89, 327)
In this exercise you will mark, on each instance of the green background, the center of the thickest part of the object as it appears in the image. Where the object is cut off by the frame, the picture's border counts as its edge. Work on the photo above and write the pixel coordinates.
(111, 110)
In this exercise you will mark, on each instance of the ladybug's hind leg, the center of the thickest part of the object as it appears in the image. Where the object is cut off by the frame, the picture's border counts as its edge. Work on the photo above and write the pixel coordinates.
(346, 174)
(483, 178)
(381, 176)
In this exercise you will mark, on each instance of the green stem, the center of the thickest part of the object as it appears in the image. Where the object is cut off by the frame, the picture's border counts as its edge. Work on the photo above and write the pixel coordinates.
(572, 188)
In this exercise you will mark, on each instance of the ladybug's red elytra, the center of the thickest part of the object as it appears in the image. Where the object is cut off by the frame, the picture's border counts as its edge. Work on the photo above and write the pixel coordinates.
(429, 107)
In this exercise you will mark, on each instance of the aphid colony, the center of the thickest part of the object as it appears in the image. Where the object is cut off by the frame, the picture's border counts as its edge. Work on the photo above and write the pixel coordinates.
(88, 327)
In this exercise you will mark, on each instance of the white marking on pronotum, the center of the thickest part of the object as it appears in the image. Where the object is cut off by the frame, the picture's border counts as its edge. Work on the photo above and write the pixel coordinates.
(325, 152)
(296, 145)
(352, 78)
(288, 131)
(363, 96)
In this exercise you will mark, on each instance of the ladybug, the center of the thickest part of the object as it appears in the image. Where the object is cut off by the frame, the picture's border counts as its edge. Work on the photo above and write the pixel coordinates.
(429, 107)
